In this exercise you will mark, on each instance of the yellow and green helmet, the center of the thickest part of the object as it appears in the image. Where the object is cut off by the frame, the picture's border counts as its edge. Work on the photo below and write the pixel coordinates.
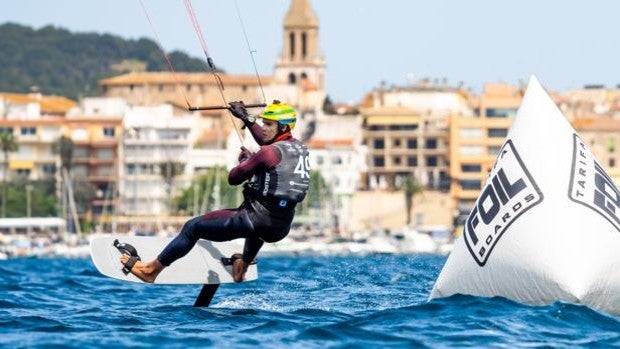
(283, 113)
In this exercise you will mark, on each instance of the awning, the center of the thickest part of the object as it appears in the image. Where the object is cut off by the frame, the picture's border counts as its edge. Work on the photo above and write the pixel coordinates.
(21, 164)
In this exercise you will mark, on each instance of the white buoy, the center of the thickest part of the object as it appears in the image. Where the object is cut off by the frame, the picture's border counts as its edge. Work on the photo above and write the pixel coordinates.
(546, 226)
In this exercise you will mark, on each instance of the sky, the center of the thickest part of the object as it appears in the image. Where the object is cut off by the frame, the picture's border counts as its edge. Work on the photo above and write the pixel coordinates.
(565, 43)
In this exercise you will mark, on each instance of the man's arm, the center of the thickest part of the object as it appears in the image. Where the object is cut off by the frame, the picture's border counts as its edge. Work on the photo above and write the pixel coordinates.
(267, 157)
(256, 130)
(250, 248)
(239, 111)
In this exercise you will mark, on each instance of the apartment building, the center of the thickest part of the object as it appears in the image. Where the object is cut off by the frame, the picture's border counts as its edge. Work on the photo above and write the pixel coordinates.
(475, 142)
(154, 141)
(337, 154)
(36, 122)
(407, 133)
(200, 89)
(602, 135)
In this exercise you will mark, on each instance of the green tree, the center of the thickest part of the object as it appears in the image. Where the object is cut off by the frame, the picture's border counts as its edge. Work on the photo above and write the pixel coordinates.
(64, 149)
(328, 106)
(42, 198)
(9, 145)
(318, 193)
(59, 62)
(202, 195)
(411, 187)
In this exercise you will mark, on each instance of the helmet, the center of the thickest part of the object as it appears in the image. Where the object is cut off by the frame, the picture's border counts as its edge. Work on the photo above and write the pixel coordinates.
(283, 113)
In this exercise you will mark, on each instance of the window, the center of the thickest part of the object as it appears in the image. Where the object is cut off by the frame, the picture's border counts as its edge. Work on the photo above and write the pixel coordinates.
(108, 131)
(49, 169)
(376, 127)
(7, 130)
(471, 168)
(105, 154)
(431, 161)
(23, 172)
(378, 161)
(494, 150)
(397, 143)
(497, 132)
(28, 131)
(319, 160)
(336, 160)
(131, 169)
(612, 162)
(406, 127)
(471, 133)
(431, 143)
(412, 161)
(304, 43)
(470, 184)
(396, 160)
(501, 112)
(471, 150)
(412, 143)
(379, 143)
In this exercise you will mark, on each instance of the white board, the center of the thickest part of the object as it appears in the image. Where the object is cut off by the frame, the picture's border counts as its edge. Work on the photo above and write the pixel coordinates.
(546, 226)
(202, 265)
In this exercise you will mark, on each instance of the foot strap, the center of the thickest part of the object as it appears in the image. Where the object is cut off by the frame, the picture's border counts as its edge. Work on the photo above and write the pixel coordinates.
(233, 258)
(131, 252)
(130, 263)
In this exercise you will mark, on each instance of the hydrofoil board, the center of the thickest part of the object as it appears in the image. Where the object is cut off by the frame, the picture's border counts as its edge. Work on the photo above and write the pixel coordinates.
(202, 265)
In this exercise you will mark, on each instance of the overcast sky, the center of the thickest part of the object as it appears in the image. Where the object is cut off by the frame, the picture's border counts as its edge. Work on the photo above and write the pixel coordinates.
(566, 43)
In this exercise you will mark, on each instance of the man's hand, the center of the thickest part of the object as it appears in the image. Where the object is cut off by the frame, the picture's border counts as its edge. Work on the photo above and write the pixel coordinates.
(238, 110)
(244, 154)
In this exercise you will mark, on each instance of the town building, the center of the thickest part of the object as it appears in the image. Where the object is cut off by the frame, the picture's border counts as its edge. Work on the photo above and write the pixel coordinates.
(475, 142)
(406, 131)
(336, 153)
(36, 123)
(155, 165)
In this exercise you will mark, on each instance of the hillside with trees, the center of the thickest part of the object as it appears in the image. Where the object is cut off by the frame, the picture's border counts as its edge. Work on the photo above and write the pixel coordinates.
(55, 61)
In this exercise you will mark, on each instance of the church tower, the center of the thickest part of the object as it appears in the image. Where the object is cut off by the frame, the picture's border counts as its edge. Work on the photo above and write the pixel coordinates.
(301, 63)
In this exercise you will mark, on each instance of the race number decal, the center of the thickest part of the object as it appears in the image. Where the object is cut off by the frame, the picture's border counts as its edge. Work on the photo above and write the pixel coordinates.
(509, 192)
(591, 186)
(303, 167)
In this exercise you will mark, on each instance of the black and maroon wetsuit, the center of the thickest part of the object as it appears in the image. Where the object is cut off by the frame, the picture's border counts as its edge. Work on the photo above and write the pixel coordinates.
(281, 180)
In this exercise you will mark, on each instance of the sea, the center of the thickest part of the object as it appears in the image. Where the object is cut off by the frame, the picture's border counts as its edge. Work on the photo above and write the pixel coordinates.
(306, 301)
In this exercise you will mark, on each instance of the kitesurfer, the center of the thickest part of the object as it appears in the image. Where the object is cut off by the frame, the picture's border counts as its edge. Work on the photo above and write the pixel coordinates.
(280, 179)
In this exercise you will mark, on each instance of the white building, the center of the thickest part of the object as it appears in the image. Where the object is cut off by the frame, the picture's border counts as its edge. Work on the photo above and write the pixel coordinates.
(152, 138)
(336, 152)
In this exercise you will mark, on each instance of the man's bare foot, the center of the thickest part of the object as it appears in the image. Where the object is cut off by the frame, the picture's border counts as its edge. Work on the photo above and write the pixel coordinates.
(145, 271)
(240, 267)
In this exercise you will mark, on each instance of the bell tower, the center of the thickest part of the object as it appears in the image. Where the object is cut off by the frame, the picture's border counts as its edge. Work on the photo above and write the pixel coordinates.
(300, 62)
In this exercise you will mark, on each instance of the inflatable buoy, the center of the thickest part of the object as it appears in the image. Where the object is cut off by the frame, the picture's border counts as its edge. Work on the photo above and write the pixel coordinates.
(546, 226)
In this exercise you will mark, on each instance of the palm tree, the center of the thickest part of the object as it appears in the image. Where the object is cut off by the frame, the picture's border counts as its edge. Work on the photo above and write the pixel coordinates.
(411, 187)
(64, 148)
(9, 145)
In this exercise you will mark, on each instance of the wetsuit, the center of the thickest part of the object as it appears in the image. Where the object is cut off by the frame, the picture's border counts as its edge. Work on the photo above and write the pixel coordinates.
(281, 178)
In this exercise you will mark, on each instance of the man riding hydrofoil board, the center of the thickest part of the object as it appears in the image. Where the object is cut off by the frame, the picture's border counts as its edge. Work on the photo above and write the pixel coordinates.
(280, 175)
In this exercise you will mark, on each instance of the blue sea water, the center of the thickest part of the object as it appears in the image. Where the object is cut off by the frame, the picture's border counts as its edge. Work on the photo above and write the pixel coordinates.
(302, 302)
